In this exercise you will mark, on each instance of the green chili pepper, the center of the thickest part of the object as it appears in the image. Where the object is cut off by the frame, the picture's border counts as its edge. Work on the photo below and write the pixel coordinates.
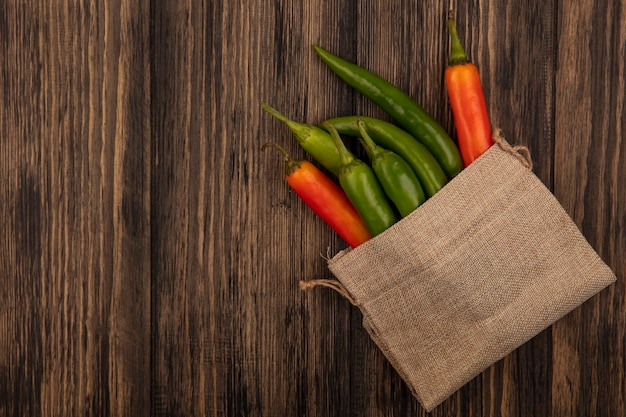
(410, 115)
(394, 174)
(389, 136)
(314, 140)
(361, 186)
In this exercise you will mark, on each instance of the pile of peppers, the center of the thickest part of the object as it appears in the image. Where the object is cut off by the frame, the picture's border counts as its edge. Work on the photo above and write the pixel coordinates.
(408, 162)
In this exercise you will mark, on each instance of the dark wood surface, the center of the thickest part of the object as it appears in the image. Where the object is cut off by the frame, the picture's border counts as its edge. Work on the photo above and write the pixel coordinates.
(150, 254)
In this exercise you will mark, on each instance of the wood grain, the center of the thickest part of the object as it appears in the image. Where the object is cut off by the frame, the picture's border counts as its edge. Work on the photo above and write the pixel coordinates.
(587, 176)
(75, 190)
(151, 253)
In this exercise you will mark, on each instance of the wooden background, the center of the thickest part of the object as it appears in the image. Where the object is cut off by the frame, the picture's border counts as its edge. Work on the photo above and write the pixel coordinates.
(150, 254)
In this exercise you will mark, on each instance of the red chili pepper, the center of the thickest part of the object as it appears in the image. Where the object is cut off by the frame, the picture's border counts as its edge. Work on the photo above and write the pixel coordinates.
(325, 197)
(467, 100)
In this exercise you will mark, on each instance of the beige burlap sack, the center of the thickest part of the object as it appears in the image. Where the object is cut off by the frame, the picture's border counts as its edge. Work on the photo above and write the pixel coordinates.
(482, 267)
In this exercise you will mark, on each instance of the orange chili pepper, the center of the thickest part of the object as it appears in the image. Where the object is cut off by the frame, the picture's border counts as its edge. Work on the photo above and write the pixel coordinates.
(467, 100)
(325, 197)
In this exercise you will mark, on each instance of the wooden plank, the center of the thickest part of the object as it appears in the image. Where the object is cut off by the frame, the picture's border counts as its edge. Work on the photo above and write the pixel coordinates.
(228, 316)
(589, 178)
(74, 310)
(181, 293)
(513, 46)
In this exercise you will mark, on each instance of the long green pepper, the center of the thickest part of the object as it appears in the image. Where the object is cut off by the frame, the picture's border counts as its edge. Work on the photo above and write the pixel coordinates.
(389, 136)
(314, 140)
(401, 107)
(361, 186)
(394, 174)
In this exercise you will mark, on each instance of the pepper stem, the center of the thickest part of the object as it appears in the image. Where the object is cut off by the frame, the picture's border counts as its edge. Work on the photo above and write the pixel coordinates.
(300, 130)
(291, 165)
(370, 146)
(344, 154)
(457, 52)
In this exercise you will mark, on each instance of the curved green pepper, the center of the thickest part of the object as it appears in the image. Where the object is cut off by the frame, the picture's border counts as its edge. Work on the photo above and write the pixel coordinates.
(314, 140)
(410, 115)
(388, 136)
(361, 186)
(395, 175)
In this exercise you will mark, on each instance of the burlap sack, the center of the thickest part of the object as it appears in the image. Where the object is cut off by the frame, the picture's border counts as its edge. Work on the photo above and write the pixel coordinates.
(482, 267)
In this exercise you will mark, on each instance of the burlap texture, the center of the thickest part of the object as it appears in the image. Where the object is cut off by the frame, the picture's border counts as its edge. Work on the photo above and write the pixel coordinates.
(482, 267)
